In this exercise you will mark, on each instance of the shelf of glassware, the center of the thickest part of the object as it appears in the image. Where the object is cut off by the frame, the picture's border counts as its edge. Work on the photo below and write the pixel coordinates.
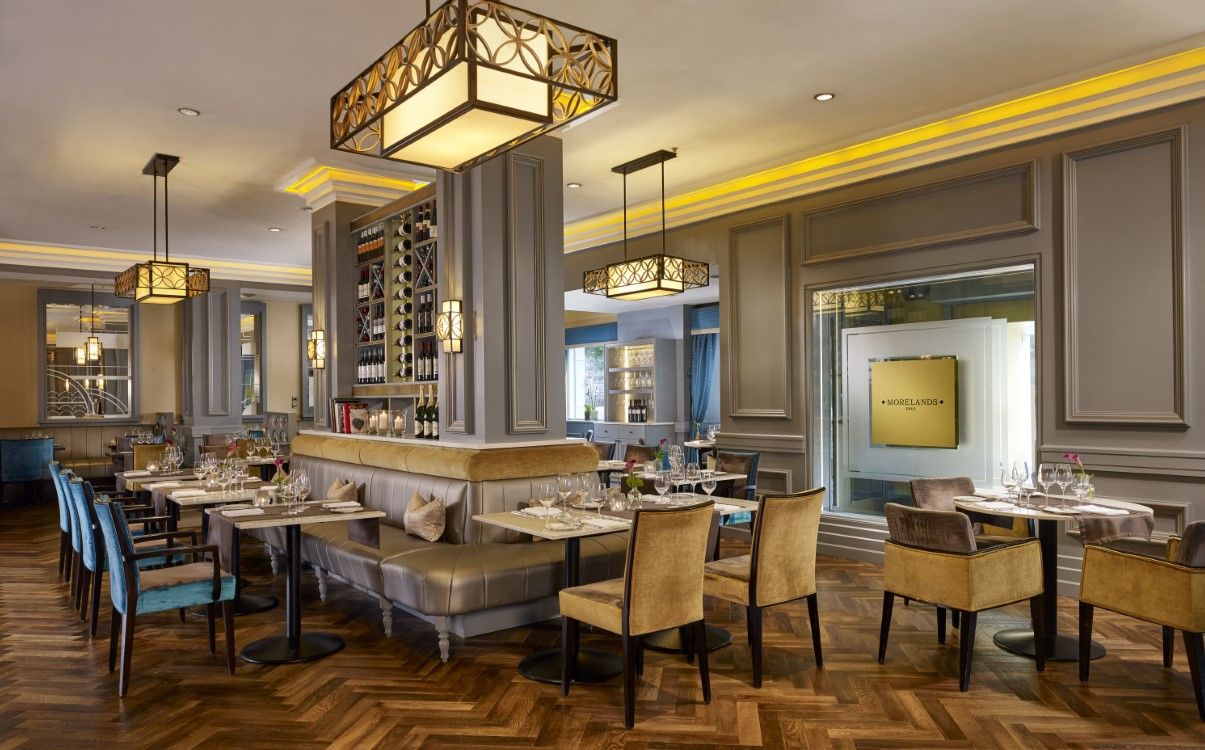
(641, 376)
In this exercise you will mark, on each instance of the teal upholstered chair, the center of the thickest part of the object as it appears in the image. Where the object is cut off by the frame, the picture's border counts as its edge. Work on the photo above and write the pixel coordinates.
(92, 547)
(66, 523)
(137, 592)
(24, 460)
(739, 526)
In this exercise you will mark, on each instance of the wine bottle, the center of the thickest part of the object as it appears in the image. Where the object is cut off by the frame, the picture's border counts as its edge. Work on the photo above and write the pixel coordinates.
(433, 227)
(420, 416)
(434, 418)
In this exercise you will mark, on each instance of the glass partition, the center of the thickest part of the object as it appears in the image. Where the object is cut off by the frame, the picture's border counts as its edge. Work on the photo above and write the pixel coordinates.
(87, 372)
(251, 347)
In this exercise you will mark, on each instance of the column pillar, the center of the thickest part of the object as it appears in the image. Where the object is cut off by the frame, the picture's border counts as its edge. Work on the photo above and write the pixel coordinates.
(211, 372)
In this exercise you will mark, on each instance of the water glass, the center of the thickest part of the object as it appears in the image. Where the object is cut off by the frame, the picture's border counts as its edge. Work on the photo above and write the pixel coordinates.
(661, 483)
(709, 483)
(1046, 477)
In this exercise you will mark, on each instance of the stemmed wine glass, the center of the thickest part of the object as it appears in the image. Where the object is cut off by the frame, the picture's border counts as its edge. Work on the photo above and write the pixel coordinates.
(546, 497)
(692, 476)
(1046, 477)
(598, 492)
(564, 488)
(661, 483)
(1019, 475)
(1006, 479)
(301, 488)
(709, 483)
(1064, 478)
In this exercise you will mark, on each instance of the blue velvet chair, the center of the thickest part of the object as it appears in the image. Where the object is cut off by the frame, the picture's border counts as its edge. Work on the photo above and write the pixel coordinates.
(739, 526)
(92, 547)
(24, 460)
(67, 541)
(137, 592)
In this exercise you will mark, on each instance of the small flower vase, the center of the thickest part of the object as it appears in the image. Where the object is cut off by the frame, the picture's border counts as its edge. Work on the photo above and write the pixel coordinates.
(280, 477)
(633, 499)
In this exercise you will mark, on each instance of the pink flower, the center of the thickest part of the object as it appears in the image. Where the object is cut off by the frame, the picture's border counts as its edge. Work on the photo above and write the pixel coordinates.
(279, 462)
(663, 442)
(1071, 457)
(627, 465)
(232, 449)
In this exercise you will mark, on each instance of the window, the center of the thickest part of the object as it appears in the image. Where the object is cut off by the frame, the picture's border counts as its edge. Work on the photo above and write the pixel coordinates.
(78, 383)
(585, 373)
(984, 321)
(251, 346)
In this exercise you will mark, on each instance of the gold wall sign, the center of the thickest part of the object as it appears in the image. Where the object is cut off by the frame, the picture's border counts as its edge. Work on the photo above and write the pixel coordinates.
(914, 402)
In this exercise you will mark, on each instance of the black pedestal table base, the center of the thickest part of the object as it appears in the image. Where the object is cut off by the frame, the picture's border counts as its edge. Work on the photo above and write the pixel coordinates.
(1066, 647)
(278, 649)
(592, 666)
(670, 641)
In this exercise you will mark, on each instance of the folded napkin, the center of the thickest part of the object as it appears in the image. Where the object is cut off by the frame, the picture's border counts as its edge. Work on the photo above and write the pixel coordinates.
(162, 485)
(1100, 510)
(137, 473)
(189, 493)
(602, 522)
(243, 512)
(539, 511)
(654, 499)
(990, 494)
(726, 508)
(996, 505)
(343, 504)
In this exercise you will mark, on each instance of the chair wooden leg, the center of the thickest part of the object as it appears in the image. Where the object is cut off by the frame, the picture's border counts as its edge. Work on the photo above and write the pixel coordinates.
(640, 656)
(114, 627)
(209, 621)
(814, 622)
(1196, 665)
(629, 681)
(754, 618)
(1037, 610)
(183, 611)
(95, 603)
(127, 652)
(85, 588)
(955, 617)
(228, 626)
(1085, 639)
(1169, 645)
(76, 570)
(570, 632)
(686, 636)
(701, 649)
(941, 625)
(966, 650)
(885, 625)
(64, 546)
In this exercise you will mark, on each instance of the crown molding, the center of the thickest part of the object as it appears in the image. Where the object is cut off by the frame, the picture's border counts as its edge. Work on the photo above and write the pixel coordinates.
(44, 256)
(322, 184)
(1140, 88)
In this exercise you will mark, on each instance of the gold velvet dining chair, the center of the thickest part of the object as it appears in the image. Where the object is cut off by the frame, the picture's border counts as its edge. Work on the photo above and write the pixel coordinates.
(661, 588)
(931, 556)
(145, 453)
(781, 567)
(1169, 592)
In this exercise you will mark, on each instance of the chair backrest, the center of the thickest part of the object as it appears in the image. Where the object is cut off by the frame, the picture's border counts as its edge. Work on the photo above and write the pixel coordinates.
(638, 453)
(145, 453)
(783, 565)
(23, 460)
(56, 476)
(118, 543)
(663, 580)
(604, 450)
(81, 502)
(1192, 545)
(164, 421)
(740, 462)
(936, 530)
(589, 435)
(938, 493)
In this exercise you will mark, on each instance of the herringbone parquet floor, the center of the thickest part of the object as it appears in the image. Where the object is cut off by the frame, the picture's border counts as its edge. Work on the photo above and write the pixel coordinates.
(56, 692)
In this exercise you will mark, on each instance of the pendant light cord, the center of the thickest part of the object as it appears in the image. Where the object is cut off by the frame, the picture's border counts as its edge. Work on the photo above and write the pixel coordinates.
(663, 207)
(155, 218)
(625, 215)
(166, 219)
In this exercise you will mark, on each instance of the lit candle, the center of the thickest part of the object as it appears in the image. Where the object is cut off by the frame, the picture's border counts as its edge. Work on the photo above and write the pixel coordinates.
(372, 422)
(398, 424)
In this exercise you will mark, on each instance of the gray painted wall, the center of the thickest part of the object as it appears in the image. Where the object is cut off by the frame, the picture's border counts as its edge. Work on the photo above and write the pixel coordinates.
(1112, 216)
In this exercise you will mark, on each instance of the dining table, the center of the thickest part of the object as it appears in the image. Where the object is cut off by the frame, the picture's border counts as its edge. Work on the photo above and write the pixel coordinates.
(1051, 513)
(593, 665)
(184, 498)
(293, 646)
(137, 479)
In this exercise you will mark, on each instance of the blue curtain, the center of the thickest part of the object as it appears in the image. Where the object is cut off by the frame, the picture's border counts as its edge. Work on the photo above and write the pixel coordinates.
(704, 353)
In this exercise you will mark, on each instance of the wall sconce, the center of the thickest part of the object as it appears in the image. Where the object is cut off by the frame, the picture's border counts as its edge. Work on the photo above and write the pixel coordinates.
(81, 356)
(315, 349)
(449, 325)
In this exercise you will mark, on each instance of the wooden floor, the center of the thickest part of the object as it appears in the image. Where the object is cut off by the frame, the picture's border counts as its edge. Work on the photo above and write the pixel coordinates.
(55, 690)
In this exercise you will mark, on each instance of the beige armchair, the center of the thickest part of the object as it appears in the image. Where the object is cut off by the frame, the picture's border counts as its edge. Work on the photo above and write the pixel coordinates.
(1168, 592)
(781, 568)
(148, 453)
(661, 588)
(932, 557)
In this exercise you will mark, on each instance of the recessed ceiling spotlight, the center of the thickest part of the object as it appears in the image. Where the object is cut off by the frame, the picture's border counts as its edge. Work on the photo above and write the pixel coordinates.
(824, 96)
(275, 229)
(99, 226)
(189, 111)
(573, 185)
(307, 209)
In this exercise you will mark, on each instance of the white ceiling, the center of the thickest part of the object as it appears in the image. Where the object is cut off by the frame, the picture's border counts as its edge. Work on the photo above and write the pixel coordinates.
(90, 91)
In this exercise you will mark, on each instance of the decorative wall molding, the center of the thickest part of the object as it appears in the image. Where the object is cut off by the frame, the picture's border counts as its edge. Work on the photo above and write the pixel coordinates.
(217, 339)
(43, 256)
(1132, 460)
(773, 286)
(784, 479)
(1139, 88)
(751, 441)
(323, 184)
(527, 407)
(1077, 370)
(939, 198)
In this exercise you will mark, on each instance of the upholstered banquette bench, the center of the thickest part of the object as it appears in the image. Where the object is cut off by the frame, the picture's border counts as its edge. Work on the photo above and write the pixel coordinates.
(474, 579)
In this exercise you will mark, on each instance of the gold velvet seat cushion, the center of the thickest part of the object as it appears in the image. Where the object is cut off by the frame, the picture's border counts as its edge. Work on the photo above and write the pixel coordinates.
(972, 582)
(425, 519)
(1158, 591)
(728, 579)
(599, 604)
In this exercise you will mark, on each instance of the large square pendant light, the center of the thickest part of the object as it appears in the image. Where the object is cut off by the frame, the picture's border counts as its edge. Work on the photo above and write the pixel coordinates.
(474, 79)
(653, 275)
(161, 281)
